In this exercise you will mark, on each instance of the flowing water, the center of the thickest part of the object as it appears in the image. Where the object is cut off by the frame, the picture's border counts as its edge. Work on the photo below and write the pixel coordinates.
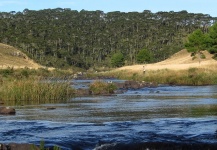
(166, 114)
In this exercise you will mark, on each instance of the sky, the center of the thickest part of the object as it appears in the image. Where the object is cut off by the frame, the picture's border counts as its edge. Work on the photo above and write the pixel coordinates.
(192, 6)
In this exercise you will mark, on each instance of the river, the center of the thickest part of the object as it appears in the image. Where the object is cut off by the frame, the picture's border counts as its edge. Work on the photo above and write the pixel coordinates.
(165, 114)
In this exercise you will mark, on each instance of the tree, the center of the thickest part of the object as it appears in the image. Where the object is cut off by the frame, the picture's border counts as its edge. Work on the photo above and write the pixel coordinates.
(117, 60)
(196, 43)
(144, 56)
(213, 39)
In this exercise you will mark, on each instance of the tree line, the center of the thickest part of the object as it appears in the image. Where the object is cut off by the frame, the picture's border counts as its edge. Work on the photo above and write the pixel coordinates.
(64, 37)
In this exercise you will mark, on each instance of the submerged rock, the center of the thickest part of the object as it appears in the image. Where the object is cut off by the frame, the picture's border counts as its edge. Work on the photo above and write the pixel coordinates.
(7, 111)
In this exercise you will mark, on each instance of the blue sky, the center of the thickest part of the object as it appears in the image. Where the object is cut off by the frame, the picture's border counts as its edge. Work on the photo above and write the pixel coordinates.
(193, 6)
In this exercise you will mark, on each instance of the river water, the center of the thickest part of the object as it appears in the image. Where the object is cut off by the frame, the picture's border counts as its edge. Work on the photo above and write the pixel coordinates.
(165, 114)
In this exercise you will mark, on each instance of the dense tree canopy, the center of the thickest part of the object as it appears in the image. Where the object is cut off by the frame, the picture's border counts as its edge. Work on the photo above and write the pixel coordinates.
(64, 37)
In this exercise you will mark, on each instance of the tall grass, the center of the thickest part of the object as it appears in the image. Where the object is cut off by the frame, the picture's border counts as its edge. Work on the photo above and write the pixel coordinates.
(35, 91)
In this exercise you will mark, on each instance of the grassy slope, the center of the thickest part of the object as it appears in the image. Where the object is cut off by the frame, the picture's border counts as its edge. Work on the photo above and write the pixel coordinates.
(11, 57)
(179, 61)
(179, 69)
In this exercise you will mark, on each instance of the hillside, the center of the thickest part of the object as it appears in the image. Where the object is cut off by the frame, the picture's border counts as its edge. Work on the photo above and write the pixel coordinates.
(11, 57)
(181, 60)
(64, 38)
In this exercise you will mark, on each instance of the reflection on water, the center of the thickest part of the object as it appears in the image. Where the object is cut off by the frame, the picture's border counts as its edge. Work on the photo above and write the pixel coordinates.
(166, 113)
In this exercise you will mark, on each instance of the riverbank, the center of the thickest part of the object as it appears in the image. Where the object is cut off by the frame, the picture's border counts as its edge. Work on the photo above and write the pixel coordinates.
(179, 69)
(191, 76)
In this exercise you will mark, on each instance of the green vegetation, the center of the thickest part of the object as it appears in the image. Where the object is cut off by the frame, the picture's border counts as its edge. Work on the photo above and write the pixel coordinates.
(63, 38)
(100, 87)
(11, 73)
(212, 47)
(196, 43)
(144, 56)
(199, 41)
(32, 86)
(27, 90)
(117, 60)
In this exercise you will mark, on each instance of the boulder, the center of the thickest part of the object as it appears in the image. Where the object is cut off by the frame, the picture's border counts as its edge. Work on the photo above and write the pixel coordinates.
(7, 111)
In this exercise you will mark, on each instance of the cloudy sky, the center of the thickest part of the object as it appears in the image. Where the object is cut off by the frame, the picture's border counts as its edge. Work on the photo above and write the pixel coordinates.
(193, 6)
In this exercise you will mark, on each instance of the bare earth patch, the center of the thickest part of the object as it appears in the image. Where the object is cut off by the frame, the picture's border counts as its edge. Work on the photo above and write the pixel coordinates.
(182, 60)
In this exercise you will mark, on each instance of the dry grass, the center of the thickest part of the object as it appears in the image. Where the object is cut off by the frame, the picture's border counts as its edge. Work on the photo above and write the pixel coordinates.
(178, 69)
(179, 61)
(13, 58)
(189, 76)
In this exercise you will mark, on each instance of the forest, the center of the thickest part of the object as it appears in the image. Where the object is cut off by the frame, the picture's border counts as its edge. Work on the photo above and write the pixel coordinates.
(63, 38)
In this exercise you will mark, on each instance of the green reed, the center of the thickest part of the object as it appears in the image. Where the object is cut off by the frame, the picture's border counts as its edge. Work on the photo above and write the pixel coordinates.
(35, 90)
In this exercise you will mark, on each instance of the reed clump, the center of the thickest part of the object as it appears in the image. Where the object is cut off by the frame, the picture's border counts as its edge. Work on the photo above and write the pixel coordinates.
(29, 90)
(101, 87)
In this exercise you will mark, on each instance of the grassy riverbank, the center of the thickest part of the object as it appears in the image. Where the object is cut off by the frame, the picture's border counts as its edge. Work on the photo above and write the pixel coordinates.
(191, 76)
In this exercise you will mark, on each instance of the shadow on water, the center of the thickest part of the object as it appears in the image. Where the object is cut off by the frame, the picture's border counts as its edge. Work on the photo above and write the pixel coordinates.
(181, 117)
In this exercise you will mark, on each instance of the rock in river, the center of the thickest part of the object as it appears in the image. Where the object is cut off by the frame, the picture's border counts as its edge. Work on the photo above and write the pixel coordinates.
(7, 111)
